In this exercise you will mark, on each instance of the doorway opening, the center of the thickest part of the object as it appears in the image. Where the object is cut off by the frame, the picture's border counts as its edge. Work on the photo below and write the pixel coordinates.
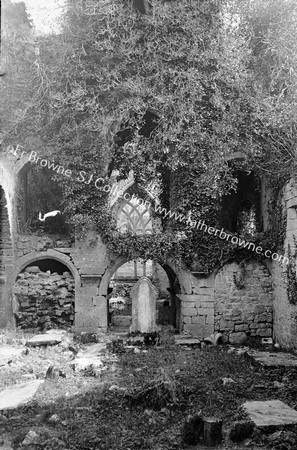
(119, 294)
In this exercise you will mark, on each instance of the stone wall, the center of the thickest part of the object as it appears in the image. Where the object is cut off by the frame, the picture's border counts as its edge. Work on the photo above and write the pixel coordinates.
(246, 311)
(197, 308)
(6, 259)
(43, 300)
(285, 317)
(26, 244)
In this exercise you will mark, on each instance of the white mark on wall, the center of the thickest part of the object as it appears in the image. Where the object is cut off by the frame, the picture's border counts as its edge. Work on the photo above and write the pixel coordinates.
(7, 184)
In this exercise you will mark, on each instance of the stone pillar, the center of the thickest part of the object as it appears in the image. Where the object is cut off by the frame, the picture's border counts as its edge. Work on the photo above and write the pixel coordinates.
(90, 308)
(144, 296)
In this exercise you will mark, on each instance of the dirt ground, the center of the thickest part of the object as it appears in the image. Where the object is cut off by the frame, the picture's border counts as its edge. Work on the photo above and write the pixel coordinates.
(139, 399)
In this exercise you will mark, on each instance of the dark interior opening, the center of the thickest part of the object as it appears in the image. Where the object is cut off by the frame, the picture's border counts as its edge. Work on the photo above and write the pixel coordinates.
(50, 264)
(39, 192)
(143, 125)
(241, 210)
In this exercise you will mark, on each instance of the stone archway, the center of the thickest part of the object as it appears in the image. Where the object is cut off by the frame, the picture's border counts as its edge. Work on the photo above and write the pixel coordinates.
(49, 254)
(174, 289)
(44, 291)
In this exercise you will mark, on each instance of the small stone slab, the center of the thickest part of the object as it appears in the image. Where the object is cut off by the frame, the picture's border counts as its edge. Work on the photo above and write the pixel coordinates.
(56, 331)
(90, 357)
(186, 340)
(44, 339)
(19, 394)
(270, 413)
(274, 359)
(9, 353)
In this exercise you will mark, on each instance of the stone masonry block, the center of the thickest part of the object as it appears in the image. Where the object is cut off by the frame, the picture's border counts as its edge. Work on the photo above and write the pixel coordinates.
(267, 332)
(187, 320)
(209, 319)
(205, 311)
(242, 327)
(258, 309)
(262, 325)
(200, 331)
(189, 312)
(207, 297)
(209, 304)
(188, 304)
(189, 298)
(198, 319)
(237, 338)
(261, 318)
(265, 299)
(248, 317)
(226, 325)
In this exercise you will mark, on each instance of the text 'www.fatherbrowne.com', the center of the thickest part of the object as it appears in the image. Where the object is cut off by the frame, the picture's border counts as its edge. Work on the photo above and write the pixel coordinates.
(97, 182)
(221, 233)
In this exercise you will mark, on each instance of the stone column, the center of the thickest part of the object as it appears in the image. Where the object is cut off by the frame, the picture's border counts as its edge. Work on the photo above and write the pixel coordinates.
(90, 308)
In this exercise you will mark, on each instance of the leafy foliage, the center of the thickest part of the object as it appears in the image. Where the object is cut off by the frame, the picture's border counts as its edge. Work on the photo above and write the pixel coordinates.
(173, 95)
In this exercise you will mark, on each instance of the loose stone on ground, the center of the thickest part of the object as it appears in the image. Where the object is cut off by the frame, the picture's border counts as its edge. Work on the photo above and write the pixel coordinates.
(44, 339)
(270, 413)
(18, 394)
(186, 340)
(90, 357)
(9, 353)
(274, 359)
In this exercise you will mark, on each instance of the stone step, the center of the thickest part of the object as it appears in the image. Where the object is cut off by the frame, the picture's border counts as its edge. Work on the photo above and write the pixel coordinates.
(183, 339)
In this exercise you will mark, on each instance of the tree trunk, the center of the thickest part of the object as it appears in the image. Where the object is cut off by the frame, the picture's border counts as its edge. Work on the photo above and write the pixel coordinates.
(212, 431)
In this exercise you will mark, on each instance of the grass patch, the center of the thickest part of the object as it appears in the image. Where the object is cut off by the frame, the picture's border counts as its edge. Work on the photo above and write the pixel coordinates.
(154, 391)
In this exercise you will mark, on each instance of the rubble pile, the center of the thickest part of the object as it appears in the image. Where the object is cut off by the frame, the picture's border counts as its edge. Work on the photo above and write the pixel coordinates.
(44, 300)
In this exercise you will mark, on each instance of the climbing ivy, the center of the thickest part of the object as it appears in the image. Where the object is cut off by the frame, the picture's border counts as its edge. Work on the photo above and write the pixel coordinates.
(291, 275)
(213, 77)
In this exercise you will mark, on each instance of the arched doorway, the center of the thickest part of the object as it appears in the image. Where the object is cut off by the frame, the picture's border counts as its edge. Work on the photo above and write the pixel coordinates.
(44, 295)
(119, 293)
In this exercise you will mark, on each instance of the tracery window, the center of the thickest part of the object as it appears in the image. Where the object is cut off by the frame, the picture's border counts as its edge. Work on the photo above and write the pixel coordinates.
(134, 217)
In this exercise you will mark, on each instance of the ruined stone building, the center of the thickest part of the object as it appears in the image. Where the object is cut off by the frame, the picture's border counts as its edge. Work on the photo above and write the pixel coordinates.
(72, 283)
(50, 278)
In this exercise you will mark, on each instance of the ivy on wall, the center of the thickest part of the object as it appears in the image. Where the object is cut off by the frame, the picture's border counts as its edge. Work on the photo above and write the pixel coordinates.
(291, 275)
(100, 79)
